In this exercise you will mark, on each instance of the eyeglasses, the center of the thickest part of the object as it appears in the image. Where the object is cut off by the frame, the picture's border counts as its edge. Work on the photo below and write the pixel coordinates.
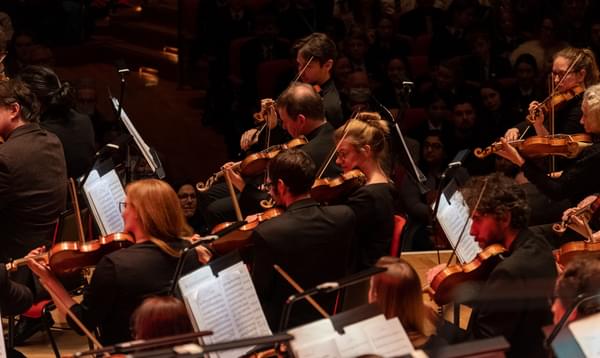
(122, 206)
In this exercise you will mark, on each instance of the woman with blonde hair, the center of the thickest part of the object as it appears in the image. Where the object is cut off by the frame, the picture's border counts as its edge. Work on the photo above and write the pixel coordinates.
(122, 279)
(398, 293)
(363, 146)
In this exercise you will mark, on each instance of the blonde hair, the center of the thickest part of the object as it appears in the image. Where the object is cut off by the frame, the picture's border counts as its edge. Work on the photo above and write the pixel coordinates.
(591, 98)
(158, 209)
(366, 128)
(398, 293)
(587, 62)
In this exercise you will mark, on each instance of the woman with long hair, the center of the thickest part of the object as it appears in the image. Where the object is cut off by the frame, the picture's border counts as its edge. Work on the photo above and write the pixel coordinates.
(122, 279)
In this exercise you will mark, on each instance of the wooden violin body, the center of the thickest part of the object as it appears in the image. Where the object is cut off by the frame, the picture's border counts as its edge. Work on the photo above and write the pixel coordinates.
(556, 101)
(254, 163)
(576, 249)
(331, 190)
(444, 284)
(241, 236)
(564, 145)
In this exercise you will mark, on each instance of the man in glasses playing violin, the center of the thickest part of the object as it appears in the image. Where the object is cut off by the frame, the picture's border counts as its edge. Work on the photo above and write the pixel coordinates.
(512, 300)
(309, 241)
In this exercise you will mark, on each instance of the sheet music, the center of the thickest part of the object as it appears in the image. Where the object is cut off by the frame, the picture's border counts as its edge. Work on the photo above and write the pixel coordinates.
(103, 194)
(587, 334)
(144, 148)
(375, 335)
(452, 216)
(227, 305)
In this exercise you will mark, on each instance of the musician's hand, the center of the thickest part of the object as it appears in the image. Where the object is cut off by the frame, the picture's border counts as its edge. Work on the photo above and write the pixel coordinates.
(432, 272)
(567, 213)
(36, 252)
(236, 179)
(587, 201)
(204, 254)
(509, 152)
(512, 134)
(41, 270)
(248, 138)
(536, 115)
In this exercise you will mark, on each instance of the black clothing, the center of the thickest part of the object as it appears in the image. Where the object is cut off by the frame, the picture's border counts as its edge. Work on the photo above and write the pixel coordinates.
(121, 281)
(577, 181)
(502, 306)
(332, 103)
(33, 189)
(373, 206)
(76, 133)
(566, 118)
(310, 242)
(220, 208)
(14, 297)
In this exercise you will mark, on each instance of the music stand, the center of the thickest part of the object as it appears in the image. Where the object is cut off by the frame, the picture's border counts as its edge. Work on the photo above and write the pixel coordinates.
(147, 152)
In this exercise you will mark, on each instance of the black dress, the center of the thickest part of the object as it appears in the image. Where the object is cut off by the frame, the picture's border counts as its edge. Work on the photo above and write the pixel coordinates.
(373, 206)
(121, 281)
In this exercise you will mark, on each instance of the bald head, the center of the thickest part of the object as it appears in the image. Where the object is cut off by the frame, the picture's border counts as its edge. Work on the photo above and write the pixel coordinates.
(302, 99)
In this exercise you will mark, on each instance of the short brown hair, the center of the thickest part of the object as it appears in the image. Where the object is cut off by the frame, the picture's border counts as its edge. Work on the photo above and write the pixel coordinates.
(160, 316)
(158, 209)
(580, 277)
(301, 98)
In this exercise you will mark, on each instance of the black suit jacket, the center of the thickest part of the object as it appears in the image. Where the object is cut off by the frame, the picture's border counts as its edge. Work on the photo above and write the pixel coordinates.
(310, 242)
(513, 302)
(33, 187)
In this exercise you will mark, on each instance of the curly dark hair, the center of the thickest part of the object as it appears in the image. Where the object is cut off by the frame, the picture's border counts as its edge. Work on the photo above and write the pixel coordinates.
(580, 277)
(501, 195)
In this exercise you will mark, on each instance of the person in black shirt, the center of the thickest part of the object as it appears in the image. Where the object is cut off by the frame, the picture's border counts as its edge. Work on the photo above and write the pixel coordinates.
(512, 300)
(123, 278)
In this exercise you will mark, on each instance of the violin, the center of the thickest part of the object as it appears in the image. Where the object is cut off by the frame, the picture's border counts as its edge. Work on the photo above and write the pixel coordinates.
(254, 163)
(443, 286)
(240, 237)
(330, 190)
(574, 249)
(555, 101)
(68, 258)
(564, 145)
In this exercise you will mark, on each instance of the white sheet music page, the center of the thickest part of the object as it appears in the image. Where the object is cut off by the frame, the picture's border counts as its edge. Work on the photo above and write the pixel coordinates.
(104, 194)
(375, 335)
(587, 334)
(227, 305)
(452, 217)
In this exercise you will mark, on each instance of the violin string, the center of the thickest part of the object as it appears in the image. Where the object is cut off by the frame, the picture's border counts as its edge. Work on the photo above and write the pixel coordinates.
(460, 237)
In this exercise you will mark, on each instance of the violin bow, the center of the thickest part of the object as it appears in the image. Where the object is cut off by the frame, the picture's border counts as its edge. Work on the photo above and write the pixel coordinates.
(299, 289)
(72, 315)
(334, 150)
(462, 231)
(553, 90)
